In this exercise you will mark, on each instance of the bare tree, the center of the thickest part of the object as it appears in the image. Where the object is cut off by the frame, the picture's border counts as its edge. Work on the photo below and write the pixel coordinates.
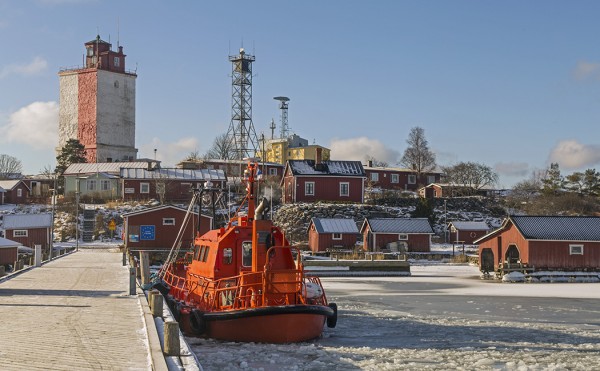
(471, 176)
(193, 156)
(375, 162)
(222, 148)
(9, 166)
(418, 156)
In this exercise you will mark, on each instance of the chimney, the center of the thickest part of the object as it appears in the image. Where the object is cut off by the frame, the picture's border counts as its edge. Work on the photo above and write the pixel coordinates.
(318, 155)
(370, 163)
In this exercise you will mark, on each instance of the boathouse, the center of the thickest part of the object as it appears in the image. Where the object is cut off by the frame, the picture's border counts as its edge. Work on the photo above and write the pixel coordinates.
(28, 229)
(466, 232)
(396, 234)
(325, 234)
(542, 243)
(8, 252)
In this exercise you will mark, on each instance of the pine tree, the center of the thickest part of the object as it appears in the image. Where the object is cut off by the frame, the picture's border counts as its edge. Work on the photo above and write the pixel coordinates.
(73, 152)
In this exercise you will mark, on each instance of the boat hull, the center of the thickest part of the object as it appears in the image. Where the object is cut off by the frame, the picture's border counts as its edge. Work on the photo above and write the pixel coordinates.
(277, 324)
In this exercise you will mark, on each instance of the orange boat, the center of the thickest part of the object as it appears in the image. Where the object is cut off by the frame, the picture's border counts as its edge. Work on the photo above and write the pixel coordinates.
(244, 282)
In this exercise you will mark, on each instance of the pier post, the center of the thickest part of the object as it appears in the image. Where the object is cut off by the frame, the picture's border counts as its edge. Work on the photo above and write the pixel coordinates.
(171, 337)
(124, 257)
(132, 281)
(145, 267)
(156, 305)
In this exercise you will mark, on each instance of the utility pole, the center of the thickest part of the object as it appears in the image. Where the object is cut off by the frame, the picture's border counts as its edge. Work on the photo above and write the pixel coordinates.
(53, 201)
(77, 212)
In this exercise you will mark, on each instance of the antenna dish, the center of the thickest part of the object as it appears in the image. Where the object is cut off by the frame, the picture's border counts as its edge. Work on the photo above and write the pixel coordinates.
(282, 99)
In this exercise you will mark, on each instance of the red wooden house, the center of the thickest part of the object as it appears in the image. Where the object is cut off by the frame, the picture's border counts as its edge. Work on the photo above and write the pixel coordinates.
(414, 234)
(28, 229)
(332, 234)
(467, 232)
(401, 179)
(155, 229)
(543, 243)
(312, 181)
(13, 192)
(8, 252)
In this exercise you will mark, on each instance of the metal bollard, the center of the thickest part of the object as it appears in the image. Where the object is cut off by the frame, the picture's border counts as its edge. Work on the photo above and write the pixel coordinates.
(132, 281)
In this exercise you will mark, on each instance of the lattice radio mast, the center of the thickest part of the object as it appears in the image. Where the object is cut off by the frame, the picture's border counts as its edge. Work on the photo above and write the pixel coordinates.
(241, 129)
(285, 129)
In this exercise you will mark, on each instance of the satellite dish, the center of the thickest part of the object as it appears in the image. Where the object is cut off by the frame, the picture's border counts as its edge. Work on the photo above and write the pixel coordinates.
(282, 99)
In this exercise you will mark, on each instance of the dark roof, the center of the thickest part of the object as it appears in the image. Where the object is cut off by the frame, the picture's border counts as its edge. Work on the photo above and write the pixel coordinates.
(97, 40)
(323, 225)
(560, 228)
(399, 225)
(470, 226)
(345, 168)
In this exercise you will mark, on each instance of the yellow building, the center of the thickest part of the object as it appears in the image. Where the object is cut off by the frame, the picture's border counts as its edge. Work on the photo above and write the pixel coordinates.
(293, 148)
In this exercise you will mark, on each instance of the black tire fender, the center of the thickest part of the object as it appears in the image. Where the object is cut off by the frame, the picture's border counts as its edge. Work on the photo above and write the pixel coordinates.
(197, 322)
(332, 320)
(177, 310)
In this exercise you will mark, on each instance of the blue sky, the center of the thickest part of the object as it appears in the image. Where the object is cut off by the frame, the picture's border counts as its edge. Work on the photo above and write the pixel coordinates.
(514, 85)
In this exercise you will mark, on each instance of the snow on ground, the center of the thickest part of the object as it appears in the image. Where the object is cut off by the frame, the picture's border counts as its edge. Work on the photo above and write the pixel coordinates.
(442, 317)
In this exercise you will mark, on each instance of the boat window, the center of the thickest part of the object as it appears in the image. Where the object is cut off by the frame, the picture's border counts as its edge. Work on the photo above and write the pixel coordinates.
(247, 253)
(205, 254)
(227, 255)
(199, 252)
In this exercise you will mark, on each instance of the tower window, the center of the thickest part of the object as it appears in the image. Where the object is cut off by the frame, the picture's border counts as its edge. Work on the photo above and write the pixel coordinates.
(117, 61)
(90, 52)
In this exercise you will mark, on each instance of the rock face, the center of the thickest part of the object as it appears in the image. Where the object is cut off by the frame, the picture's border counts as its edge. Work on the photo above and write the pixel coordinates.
(294, 219)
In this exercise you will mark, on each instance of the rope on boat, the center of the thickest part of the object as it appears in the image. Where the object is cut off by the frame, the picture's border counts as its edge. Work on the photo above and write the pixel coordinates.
(174, 252)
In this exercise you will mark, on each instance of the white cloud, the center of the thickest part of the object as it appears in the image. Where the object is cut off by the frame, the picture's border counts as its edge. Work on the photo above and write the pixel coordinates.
(35, 125)
(359, 149)
(169, 153)
(36, 66)
(587, 70)
(512, 168)
(572, 155)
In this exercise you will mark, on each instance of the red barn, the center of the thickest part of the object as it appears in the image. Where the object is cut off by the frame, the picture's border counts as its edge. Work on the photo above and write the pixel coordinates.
(543, 243)
(8, 252)
(467, 232)
(156, 228)
(400, 179)
(327, 234)
(28, 229)
(312, 181)
(387, 233)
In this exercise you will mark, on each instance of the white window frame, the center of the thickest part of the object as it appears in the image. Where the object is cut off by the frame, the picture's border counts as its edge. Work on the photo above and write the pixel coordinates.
(168, 221)
(19, 192)
(394, 178)
(91, 184)
(576, 249)
(273, 171)
(309, 188)
(336, 236)
(105, 185)
(20, 233)
(146, 186)
(430, 179)
(402, 237)
(347, 186)
(374, 177)
(117, 61)
(412, 179)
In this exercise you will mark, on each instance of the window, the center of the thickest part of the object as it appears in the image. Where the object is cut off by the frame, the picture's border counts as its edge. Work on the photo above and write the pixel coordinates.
(430, 179)
(412, 179)
(168, 221)
(247, 253)
(19, 192)
(402, 237)
(309, 188)
(105, 185)
(144, 187)
(336, 236)
(375, 177)
(394, 178)
(117, 63)
(227, 255)
(273, 171)
(91, 184)
(20, 233)
(90, 52)
(573, 249)
(344, 189)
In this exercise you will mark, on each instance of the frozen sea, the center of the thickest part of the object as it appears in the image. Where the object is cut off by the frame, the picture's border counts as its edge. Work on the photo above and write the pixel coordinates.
(443, 317)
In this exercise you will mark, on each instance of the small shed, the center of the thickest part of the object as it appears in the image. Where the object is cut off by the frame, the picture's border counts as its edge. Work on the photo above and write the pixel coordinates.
(326, 234)
(412, 234)
(467, 232)
(155, 229)
(8, 251)
(13, 192)
(28, 229)
(542, 243)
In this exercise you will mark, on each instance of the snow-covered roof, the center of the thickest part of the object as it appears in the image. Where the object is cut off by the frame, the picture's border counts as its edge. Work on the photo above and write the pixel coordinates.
(26, 221)
(336, 168)
(325, 225)
(9, 184)
(398, 225)
(563, 228)
(107, 167)
(398, 169)
(161, 207)
(182, 174)
(6, 243)
(470, 226)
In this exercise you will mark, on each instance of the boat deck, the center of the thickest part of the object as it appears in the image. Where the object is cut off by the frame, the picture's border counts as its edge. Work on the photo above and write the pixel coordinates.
(73, 313)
